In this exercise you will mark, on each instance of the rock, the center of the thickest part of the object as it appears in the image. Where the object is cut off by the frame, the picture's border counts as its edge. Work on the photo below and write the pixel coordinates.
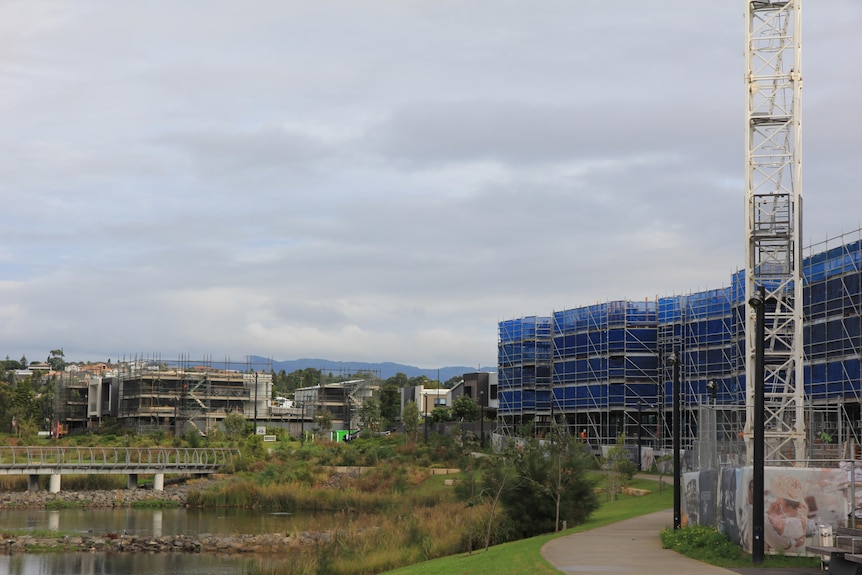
(636, 492)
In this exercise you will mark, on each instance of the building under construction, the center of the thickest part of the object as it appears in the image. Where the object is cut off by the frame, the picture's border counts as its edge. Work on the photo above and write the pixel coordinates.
(605, 368)
(152, 395)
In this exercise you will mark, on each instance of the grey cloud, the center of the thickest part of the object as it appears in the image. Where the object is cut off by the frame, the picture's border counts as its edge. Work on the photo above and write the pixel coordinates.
(380, 180)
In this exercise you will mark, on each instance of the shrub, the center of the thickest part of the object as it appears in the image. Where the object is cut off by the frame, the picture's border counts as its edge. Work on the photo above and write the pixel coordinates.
(700, 541)
(350, 457)
(193, 438)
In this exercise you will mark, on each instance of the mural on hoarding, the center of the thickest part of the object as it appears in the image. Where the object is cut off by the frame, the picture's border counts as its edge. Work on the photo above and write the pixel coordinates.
(708, 487)
(728, 522)
(690, 500)
(796, 501)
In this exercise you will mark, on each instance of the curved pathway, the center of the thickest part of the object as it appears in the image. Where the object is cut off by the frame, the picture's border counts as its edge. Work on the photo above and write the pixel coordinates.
(630, 546)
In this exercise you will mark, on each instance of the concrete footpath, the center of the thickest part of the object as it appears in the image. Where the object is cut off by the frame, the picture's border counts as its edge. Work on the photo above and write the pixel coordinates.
(634, 546)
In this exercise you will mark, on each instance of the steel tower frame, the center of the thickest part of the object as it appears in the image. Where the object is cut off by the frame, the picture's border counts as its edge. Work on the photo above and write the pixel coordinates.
(773, 213)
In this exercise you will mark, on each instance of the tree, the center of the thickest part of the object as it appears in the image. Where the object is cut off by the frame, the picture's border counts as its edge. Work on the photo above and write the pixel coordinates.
(441, 414)
(45, 401)
(369, 414)
(390, 404)
(561, 444)
(324, 420)
(465, 409)
(620, 469)
(411, 419)
(57, 360)
(549, 484)
(423, 381)
(5, 407)
(453, 381)
(23, 361)
(495, 481)
(235, 426)
(398, 380)
(11, 364)
(24, 408)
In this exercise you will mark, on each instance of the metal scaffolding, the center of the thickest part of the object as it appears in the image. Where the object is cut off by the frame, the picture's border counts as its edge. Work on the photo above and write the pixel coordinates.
(773, 83)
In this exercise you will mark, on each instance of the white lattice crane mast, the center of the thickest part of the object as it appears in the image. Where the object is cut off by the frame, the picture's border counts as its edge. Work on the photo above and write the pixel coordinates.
(774, 225)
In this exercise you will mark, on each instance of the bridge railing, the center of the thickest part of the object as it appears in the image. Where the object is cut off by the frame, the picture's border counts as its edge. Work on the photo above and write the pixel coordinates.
(173, 458)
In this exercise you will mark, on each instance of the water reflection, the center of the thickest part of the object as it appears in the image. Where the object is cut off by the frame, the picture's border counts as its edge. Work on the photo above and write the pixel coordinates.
(122, 564)
(157, 522)
(149, 522)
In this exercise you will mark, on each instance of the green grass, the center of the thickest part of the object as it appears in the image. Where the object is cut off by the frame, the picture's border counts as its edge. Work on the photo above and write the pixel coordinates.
(525, 556)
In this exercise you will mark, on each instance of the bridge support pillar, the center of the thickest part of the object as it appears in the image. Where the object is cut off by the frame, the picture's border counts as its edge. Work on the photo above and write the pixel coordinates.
(54, 483)
(159, 482)
(132, 483)
(33, 483)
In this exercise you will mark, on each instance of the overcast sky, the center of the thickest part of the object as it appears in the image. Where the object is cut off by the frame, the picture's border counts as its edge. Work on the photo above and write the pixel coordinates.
(381, 180)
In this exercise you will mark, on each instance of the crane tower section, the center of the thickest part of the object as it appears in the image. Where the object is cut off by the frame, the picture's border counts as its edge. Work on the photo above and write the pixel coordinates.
(774, 226)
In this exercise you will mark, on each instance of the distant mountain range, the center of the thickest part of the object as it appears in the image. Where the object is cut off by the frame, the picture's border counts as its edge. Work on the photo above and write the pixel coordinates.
(385, 369)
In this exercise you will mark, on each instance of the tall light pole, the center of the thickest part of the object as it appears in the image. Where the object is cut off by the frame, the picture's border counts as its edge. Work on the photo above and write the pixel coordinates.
(640, 427)
(424, 397)
(677, 463)
(758, 302)
(482, 419)
(255, 402)
(302, 425)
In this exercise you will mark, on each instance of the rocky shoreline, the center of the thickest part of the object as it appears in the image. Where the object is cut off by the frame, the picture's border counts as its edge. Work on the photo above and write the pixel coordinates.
(205, 543)
(172, 496)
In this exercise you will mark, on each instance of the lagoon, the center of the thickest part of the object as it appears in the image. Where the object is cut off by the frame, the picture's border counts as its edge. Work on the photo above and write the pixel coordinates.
(148, 522)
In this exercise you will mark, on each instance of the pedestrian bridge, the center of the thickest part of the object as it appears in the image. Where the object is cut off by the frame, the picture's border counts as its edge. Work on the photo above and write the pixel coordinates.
(34, 461)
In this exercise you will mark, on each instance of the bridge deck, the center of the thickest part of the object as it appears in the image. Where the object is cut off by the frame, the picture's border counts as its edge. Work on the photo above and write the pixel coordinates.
(30, 460)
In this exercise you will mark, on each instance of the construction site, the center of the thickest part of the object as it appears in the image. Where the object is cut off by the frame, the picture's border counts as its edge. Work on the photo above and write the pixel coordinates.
(607, 367)
(149, 394)
(754, 387)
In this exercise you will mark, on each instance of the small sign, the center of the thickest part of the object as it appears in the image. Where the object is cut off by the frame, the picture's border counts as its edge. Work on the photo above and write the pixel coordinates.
(261, 430)
(269, 438)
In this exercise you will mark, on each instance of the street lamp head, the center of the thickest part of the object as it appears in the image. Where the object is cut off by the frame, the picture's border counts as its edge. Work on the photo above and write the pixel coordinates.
(758, 298)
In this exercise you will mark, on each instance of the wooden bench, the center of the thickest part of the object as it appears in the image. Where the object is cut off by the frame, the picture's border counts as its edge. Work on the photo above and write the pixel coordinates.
(845, 557)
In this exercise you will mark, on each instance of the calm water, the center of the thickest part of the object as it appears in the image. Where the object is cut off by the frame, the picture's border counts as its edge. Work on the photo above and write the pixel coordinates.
(158, 522)
(143, 522)
(138, 564)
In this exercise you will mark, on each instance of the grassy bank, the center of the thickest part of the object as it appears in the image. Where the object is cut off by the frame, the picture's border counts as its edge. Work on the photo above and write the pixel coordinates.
(525, 556)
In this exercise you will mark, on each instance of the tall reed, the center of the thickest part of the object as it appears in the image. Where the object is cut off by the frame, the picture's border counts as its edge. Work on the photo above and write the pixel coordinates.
(370, 544)
(293, 496)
